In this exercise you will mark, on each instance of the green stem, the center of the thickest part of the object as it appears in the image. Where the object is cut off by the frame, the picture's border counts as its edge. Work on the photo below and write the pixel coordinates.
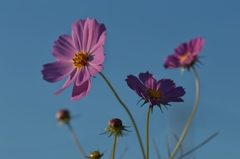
(191, 116)
(168, 146)
(156, 149)
(76, 140)
(200, 145)
(128, 112)
(114, 146)
(147, 134)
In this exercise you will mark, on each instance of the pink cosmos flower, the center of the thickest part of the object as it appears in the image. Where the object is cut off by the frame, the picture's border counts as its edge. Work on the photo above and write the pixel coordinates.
(155, 92)
(186, 54)
(80, 56)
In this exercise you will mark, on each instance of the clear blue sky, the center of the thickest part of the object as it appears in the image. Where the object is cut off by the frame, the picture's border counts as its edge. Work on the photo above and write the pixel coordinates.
(140, 34)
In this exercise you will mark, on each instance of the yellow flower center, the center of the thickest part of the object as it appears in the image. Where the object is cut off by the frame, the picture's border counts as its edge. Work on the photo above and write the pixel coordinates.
(184, 57)
(80, 59)
(154, 94)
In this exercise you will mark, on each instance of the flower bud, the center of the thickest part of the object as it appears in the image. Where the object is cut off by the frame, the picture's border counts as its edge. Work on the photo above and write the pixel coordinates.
(95, 155)
(63, 115)
(115, 123)
(115, 127)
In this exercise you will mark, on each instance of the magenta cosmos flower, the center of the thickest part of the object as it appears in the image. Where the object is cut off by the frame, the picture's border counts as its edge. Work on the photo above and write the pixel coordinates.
(186, 54)
(80, 56)
(155, 92)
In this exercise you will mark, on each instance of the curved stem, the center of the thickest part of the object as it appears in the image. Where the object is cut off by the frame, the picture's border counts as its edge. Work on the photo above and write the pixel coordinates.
(128, 112)
(76, 140)
(191, 116)
(114, 146)
(147, 135)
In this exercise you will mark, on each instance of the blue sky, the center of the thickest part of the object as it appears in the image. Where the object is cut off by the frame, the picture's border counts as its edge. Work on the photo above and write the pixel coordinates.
(140, 34)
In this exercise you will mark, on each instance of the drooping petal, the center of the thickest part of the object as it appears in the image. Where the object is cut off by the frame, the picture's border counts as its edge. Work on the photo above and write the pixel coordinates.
(148, 80)
(63, 48)
(53, 72)
(77, 34)
(70, 79)
(83, 76)
(80, 91)
(134, 83)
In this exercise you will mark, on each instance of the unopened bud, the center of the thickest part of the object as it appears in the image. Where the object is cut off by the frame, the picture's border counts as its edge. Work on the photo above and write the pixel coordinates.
(115, 127)
(95, 155)
(115, 123)
(63, 115)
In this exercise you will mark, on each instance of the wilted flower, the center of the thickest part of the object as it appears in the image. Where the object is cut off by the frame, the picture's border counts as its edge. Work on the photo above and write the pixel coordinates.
(63, 116)
(186, 54)
(155, 92)
(80, 56)
(115, 127)
(95, 155)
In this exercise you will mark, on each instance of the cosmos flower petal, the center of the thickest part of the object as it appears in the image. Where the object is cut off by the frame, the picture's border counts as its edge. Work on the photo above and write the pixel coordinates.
(53, 72)
(70, 79)
(83, 76)
(175, 92)
(63, 48)
(171, 99)
(148, 80)
(81, 90)
(196, 45)
(96, 57)
(165, 84)
(77, 34)
(181, 49)
(93, 35)
(100, 40)
(172, 61)
(134, 83)
(94, 69)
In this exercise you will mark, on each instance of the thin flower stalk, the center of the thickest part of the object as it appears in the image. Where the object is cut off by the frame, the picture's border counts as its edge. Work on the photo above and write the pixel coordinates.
(191, 116)
(156, 149)
(76, 140)
(147, 132)
(128, 112)
(114, 146)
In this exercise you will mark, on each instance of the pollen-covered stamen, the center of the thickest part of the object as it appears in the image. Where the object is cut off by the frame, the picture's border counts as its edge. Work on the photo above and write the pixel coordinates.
(80, 59)
(154, 94)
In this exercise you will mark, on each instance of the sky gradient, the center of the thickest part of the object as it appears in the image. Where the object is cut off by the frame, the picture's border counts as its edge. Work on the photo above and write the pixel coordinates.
(140, 34)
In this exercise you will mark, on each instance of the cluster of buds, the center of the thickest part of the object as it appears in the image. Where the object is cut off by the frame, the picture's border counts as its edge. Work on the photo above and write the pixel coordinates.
(115, 127)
